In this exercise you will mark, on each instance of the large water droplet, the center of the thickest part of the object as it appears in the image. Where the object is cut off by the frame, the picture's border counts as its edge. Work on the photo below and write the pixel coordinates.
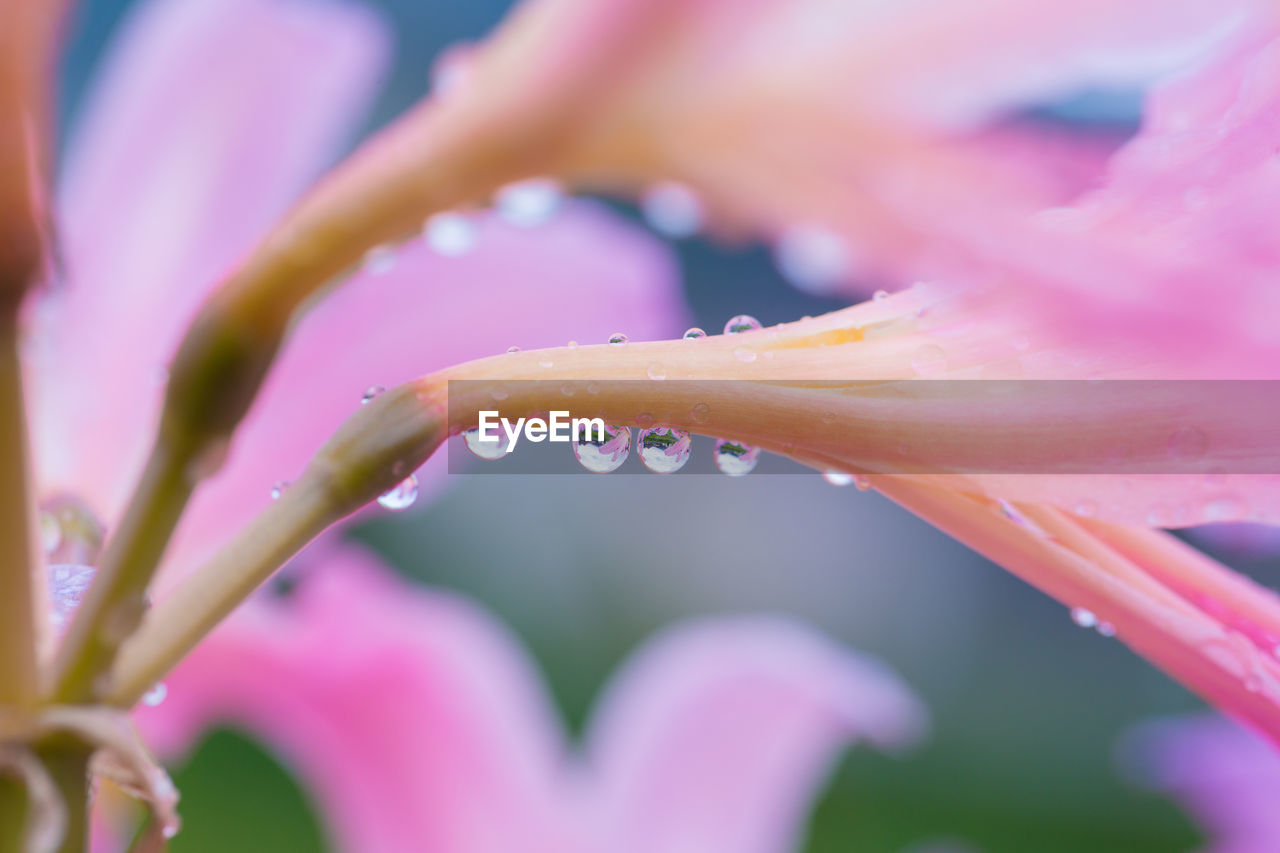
(68, 583)
(838, 478)
(700, 413)
(694, 334)
(656, 371)
(617, 339)
(278, 489)
(664, 450)
(495, 447)
(672, 209)
(379, 260)
(880, 295)
(402, 496)
(512, 350)
(741, 323)
(601, 454)
(450, 234)
(814, 260)
(370, 393)
(529, 203)
(1084, 618)
(735, 458)
(155, 695)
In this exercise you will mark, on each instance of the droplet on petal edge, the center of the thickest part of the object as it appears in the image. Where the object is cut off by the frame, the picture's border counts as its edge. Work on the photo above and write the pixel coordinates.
(155, 695)
(673, 210)
(664, 450)
(278, 489)
(838, 478)
(656, 371)
(450, 234)
(529, 203)
(1083, 618)
(402, 496)
(735, 458)
(741, 323)
(512, 350)
(602, 454)
(694, 334)
(618, 339)
(489, 450)
(371, 392)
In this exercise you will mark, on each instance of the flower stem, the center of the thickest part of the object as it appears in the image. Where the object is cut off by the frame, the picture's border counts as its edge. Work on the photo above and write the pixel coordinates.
(67, 759)
(19, 591)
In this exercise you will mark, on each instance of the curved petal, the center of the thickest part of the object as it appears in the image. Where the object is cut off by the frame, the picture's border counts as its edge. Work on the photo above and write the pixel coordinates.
(717, 735)
(414, 719)
(209, 118)
(1226, 777)
(584, 274)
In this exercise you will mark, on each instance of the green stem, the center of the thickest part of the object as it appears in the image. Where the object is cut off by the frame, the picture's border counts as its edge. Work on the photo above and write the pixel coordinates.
(13, 814)
(67, 760)
(18, 588)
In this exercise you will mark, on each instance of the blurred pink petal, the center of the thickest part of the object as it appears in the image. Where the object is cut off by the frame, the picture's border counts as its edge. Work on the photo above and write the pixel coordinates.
(584, 274)
(209, 118)
(1226, 777)
(419, 724)
(718, 735)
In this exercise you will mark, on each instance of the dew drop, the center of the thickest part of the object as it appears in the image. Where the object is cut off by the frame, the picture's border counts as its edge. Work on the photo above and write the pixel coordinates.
(278, 489)
(617, 339)
(656, 371)
(837, 478)
(512, 350)
(862, 484)
(1106, 629)
(155, 695)
(545, 363)
(929, 360)
(1084, 618)
(489, 449)
(529, 203)
(813, 260)
(567, 389)
(450, 234)
(573, 344)
(880, 295)
(402, 496)
(664, 450)
(700, 413)
(673, 210)
(68, 583)
(379, 260)
(735, 458)
(694, 333)
(741, 323)
(371, 392)
(746, 355)
(602, 453)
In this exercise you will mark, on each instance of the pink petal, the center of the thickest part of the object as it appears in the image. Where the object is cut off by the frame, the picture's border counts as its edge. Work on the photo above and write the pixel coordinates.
(1226, 777)
(585, 275)
(415, 720)
(210, 116)
(717, 736)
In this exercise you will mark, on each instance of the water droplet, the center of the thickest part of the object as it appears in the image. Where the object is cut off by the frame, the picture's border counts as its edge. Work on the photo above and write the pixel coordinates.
(155, 695)
(735, 458)
(68, 583)
(837, 478)
(50, 532)
(499, 393)
(379, 260)
(617, 339)
(529, 203)
(815, 260)
(601, 454)
(1187, 443)
(929, 360)
(402, 496)
(741, 323)
(495, 447)
(694, 333)
(664, 450)
(879, 295)
(567, 389)
(672, 209)
(593, 388)
(573, 344)
(450, 234)
(656, 371)
(1083, 618)
(512, 350)
(746, 355)
(371, 392)
(278, 489)
(862, 484)
(545, 363)
(1106, 629)
(700, 413)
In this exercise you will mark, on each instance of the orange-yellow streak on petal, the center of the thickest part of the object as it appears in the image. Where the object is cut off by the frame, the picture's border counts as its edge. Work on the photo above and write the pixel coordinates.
(1057, 554)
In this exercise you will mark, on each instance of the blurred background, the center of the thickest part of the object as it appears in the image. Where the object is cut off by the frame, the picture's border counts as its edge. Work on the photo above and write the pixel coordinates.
(1027, 706)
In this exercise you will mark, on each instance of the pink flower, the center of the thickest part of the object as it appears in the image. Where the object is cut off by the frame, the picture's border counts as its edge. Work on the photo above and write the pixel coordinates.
(1226, 777)
(209, 118)
(419, 723)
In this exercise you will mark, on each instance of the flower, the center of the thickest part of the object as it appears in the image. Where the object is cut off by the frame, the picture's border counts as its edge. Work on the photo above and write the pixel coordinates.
(418, 722)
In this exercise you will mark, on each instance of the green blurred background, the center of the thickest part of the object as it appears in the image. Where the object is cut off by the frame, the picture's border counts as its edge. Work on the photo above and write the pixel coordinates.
(1027, 707)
